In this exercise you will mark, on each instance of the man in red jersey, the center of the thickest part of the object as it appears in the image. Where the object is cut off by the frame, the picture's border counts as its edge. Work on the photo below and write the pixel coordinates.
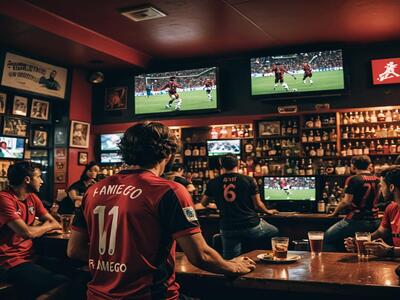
(208, 84)
(279, 71)
(19, 208)
(131, 221)
(389, 229)
(307, 73)
(362, 193)
(172, 85)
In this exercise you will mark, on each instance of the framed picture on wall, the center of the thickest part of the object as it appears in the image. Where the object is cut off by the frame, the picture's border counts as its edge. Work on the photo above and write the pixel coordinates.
(60, 136)
(38, 138)
(3, 102)
(40, 109)
(20, 106)
(79, 134)
(83, 158)
(116, 98)
(15, 126)
(268, 128)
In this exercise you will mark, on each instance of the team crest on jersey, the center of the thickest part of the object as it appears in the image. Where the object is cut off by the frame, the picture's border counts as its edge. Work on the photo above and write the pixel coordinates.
(189, 213)
(31, 210)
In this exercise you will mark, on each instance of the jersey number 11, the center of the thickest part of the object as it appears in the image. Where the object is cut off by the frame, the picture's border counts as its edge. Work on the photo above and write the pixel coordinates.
(100, 210)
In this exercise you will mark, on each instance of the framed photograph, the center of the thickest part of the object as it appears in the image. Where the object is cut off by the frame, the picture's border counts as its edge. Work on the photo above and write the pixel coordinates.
(34, 76)
(38, 138)
(60, 136)
(39, 109)
(79, 134)
(60, 177)
(20, 106)
(268, 128)
(61, 153)
(116, 98)
(15, 126)
(83, 158)
(3, 103)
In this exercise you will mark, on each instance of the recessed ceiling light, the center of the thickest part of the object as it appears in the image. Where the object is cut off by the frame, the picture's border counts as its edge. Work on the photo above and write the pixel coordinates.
(143, 13)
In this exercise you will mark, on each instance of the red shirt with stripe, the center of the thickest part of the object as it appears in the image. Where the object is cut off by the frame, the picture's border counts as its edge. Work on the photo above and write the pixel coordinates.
(132, 220)
(365, 189)
(14, 249)
(391, 221)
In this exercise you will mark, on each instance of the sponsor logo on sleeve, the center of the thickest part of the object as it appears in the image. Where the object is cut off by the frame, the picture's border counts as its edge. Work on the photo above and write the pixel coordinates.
(189, 213)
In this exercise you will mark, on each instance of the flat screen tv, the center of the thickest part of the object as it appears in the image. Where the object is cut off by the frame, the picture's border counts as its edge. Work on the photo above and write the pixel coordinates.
(177, 92)
(12, 147)
(110, 158)
(110, 141)
(300, 188)
(300, 74)
(222, 147)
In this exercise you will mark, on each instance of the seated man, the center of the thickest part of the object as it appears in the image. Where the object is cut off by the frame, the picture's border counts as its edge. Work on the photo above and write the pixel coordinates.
(19, 209)
(390, 225)
(176, 174)
(238, 199)
(361, 197)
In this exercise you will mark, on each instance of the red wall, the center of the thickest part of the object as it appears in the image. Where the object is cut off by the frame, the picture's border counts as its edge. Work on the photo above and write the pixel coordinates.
(80, 110)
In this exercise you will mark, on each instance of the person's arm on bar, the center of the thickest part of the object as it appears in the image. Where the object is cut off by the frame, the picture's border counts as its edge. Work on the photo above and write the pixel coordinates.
(346, 202)
(206, 258)
(260, 206)
(380, 233)
(31, 232)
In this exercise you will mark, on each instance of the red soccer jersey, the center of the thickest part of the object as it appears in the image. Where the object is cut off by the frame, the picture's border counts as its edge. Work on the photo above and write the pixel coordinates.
(132, 219)
(208, 84)
(307, 69)
(172, 86)
(14, 249)
(391, 221)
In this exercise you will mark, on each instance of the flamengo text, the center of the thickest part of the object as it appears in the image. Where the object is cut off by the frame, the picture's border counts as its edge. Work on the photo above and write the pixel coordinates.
(118, 189)
(107, 266)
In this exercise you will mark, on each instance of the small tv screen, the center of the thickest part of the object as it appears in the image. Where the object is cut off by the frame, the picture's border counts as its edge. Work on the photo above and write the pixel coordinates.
(297, 73)
(109, 142)
(176, 92)
(222, 147)
(11, 147)
(110, 158)
(289, 188)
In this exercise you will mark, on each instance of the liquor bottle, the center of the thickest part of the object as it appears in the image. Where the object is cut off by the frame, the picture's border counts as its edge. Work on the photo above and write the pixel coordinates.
(313, 152)
(302, 167)
(393, 148)
(203, 151)
(246, 132)
(343, 151)
(391, 132)
(234, 131)
(325, 136)
(195, 151)
(384, 133)
(240, 131)
(328, 151)
(304, 138)
(357, 149)
(258, 150)
(311, 136)
(381, 116)
(317, 137)
(351, 118)
(395, 116)
(214, 133)
(356, 118)
(223, 133)
(373, 133)
(283, 129)
(374, 118)
(333, 135)
(349, 150)
(357, 133)
(388, 116)
(188, 151)
(320, 151)
(361, 119)
(362, 133)
(309, 169)
(372, 147)
(334, 150)
(332, 120)
(345, 133)
(321, 206)
(367, 117)
(379, 148)
(365, 149)
(352, 133)
(288, 170)
(251, 132)
(295, 129)
(386, 147)
(317, 122)
(345, 119)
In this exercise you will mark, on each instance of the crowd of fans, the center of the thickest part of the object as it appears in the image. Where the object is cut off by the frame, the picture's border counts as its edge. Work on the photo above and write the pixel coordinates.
(156, 80)
(325, 60)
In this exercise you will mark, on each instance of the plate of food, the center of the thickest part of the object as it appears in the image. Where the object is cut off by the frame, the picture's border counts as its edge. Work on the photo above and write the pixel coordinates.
(269, 258)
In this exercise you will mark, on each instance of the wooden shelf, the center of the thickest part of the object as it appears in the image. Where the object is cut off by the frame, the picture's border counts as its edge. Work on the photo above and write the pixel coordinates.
(321, 142)
(278, 137)
(371, 139)
(320, 128)
(369, 124)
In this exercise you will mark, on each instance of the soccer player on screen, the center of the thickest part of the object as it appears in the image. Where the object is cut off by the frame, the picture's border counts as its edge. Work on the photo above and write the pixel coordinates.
(172, 85)
(208, 84)
(279, 71)
(307, 73)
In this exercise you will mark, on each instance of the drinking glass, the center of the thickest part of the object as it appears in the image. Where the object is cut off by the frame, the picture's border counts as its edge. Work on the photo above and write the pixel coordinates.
(316, 239)
(361, 239)
(280, 247)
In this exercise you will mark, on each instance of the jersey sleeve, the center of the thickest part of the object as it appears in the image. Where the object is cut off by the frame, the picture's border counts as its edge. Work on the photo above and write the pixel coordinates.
(385, 223)
(177, 213)
(352, 186)
(8, 210)
(39, 207)
(79, 222)
(254, 187)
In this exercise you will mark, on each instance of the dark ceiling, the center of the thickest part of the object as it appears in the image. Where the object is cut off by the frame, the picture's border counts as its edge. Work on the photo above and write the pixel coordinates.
(76, 32)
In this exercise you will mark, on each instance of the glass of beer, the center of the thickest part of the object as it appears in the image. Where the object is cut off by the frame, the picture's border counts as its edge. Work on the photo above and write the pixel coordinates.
(361, 238)
(66, 222)
(316, 239)
(280, 247)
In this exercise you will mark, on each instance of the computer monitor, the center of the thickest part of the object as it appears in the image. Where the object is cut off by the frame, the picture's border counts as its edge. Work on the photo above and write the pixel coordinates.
(222, 147)
(284, 188)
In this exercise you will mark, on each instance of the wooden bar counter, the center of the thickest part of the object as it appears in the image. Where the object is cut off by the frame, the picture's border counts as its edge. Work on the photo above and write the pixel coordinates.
(329, 276)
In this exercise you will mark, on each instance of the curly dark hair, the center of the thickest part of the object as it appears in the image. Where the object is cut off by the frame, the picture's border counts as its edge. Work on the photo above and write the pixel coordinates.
(146, 144)
(391, 175)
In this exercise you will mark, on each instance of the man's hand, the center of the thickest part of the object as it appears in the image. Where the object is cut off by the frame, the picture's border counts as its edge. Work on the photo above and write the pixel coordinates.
(243, 265)
(55, 231)
(378, 248)
(349, 244)
(53, 225)
(272, 211)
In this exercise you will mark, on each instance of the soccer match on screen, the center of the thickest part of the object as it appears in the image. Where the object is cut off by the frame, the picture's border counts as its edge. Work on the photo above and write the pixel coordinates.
(176, 91)
(298, 73)
(289, 188)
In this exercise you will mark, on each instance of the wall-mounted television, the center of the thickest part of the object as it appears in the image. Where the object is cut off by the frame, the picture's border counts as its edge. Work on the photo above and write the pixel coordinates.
(297, 188)
(301, 74)
(110, 158)
(177, 92)
(110, 141)
(222, 147)
(12, 147)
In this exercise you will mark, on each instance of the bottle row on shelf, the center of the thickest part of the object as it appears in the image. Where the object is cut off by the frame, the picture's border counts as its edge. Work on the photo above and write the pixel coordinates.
(234, 131)
(368, 148)
(370, 132)
(195, 151)
(318, 122)
(370, 117)
(324, 136)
